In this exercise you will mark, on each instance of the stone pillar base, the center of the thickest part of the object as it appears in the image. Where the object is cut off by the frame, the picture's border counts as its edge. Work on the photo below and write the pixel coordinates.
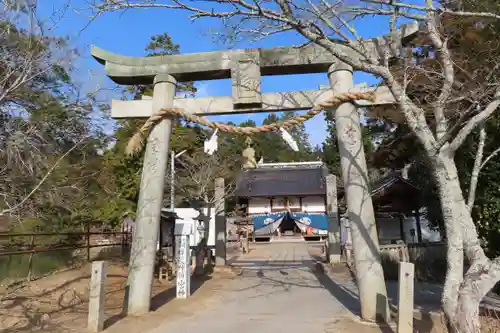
(334, 258)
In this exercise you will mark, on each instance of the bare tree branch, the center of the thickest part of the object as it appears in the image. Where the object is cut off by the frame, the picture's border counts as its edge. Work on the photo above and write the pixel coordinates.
(490, 156)
(439, 10)
(18, 205)
(476, 168)
(479, 118)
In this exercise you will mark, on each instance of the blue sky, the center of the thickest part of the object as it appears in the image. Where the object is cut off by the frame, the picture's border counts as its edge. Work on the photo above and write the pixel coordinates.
(128, 33)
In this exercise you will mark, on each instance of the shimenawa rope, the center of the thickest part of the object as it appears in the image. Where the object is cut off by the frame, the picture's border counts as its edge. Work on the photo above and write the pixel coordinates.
(136, 143)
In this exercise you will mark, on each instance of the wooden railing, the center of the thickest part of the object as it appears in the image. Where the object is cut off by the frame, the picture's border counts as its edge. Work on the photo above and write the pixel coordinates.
(19, 244)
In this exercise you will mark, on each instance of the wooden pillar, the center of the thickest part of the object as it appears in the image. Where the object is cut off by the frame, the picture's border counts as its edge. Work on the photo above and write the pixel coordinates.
(402, 228)
(220, 223)
(419, 226)
(333, 254)
(369, 273)
(144, 242)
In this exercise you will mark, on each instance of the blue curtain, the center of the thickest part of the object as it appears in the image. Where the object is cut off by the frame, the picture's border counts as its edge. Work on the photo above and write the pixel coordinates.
(317, 221)
(268, 223)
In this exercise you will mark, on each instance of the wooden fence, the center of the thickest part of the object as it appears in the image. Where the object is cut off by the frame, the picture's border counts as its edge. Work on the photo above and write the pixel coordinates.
(429, 260)
(28, 245)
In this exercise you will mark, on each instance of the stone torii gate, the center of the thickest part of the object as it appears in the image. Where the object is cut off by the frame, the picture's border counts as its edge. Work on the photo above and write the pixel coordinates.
(245, 68)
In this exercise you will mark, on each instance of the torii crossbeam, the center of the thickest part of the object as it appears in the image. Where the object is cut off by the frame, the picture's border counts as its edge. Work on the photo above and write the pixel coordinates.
(245, 68)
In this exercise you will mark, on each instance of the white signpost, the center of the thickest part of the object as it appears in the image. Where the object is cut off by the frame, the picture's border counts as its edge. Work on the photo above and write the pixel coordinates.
(198, 229)
(183, 279)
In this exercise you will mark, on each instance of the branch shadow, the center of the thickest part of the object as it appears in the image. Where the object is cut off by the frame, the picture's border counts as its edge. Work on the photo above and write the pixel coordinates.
(33, 314)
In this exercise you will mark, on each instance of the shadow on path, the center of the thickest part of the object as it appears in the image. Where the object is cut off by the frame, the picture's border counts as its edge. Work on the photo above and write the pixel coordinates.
(425, 319)
(345, 296)
(159, 299)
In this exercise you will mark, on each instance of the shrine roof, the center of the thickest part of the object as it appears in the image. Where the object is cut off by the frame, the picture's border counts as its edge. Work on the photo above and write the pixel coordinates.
(268, 182)
(390, 193)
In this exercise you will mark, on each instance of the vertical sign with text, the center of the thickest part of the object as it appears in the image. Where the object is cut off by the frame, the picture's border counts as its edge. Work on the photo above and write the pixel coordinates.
(183, 287)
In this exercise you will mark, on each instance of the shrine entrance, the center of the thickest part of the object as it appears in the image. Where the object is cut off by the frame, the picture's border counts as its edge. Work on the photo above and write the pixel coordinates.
(288, 227)
(245, 68)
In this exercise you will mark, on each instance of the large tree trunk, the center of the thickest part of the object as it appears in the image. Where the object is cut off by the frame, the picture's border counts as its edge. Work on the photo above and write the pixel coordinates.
(450, 193)
(462, 294)
(475, 286)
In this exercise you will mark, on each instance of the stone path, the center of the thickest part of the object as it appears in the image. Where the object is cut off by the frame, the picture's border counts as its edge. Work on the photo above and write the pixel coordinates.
(278, 291)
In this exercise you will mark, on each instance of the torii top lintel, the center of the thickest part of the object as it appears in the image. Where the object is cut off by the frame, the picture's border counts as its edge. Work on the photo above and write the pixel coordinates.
(226, 64)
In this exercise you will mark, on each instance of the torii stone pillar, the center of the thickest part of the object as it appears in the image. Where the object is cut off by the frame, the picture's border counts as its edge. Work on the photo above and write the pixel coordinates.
(369, 273)
(333, 254)
(220, 223)
(142, 257)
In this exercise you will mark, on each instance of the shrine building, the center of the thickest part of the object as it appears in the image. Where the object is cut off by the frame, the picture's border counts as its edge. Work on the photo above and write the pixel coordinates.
(285, 200)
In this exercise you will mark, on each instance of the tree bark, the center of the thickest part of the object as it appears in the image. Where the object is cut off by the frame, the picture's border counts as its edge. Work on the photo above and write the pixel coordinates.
(450, 193)
(475, 286)
(462, 293)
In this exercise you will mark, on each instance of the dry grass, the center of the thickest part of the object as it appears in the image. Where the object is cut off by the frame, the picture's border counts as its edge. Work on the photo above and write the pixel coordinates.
(490, 324)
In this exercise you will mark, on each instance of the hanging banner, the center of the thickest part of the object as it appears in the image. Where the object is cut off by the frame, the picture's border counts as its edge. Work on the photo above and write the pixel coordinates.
(267, 224)
(315, 223)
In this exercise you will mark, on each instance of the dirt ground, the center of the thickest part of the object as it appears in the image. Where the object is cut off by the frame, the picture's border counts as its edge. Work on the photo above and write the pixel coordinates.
(59, 303)
(343, 325)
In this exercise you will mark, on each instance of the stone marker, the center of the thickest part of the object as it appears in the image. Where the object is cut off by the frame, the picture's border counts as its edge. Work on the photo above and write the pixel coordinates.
(333, 247)
(405, 297)
(183, 279)
(96, 296)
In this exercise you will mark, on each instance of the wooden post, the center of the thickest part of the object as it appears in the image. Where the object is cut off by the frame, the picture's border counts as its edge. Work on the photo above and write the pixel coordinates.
(405, 297)
(123, 240)
(419, 226)
(96, 296)
(30, 260)
(401, 228)
(220, 223)
(87, 231)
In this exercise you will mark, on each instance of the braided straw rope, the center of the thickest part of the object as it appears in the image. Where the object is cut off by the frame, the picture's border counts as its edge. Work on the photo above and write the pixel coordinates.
(136, 143)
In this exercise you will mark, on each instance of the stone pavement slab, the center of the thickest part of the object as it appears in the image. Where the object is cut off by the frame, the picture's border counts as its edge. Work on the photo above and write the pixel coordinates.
(278, 290)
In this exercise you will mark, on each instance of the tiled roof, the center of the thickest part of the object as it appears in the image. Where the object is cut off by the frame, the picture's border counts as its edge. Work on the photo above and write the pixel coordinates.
(281, 182)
